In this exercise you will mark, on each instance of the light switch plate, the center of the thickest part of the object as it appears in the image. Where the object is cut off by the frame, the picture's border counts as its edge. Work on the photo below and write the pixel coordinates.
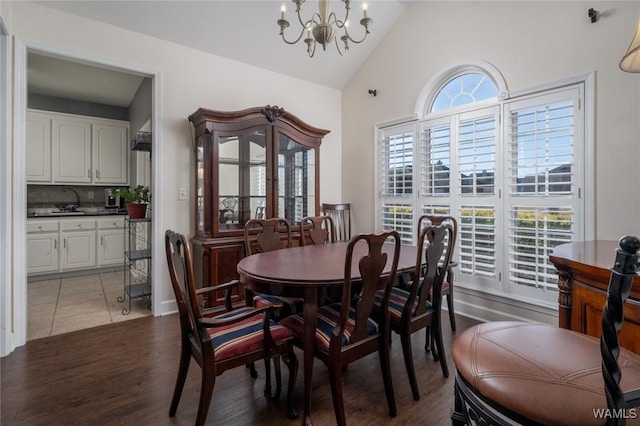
(182, 193)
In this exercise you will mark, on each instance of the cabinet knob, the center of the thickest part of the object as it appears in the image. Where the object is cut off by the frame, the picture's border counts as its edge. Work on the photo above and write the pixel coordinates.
(79, 225)
(40, 227)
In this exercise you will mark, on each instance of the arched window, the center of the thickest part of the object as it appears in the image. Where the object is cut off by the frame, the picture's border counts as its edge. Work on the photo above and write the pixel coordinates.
(464, 89)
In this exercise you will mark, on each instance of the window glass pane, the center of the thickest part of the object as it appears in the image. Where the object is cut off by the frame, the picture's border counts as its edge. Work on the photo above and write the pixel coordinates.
(542, 149)
(436, 161)
(399, 217)
(396, 158)
(476, 155)
(464, 89)
(477, 240)
(534, 233)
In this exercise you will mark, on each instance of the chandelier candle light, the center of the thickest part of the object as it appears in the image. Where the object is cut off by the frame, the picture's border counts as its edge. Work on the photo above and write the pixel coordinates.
(323, 26)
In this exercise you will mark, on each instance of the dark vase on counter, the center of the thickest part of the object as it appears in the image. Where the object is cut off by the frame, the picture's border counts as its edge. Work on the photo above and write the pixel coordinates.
(137, 210)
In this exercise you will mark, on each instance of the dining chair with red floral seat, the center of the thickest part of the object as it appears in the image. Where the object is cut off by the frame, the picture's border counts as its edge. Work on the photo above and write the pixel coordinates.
(411, 307)
(347, 331)
(219, 341)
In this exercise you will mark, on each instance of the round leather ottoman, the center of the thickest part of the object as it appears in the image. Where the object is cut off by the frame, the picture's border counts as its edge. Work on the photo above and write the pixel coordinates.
(545, 374)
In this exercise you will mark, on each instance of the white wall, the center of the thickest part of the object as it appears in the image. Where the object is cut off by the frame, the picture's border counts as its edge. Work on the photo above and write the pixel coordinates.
(531, 43)
(189, 79)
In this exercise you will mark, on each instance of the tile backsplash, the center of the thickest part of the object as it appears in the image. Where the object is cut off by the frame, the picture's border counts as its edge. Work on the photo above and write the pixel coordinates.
(45, 196)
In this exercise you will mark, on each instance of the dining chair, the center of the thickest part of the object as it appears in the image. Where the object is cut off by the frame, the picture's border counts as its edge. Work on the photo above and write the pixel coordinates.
(341, 215)
(447, 284)
(220, 340)
(347, 331)
(417, 304)
(511, 372)
(320, 230)
(263, 235)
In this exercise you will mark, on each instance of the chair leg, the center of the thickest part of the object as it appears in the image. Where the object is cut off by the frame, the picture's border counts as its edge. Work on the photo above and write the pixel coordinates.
(385, 366)
(206, 391)
(183, 368)
(335, 377)
(252, 370)
(452, 316)
(291, 362)
(276, 368)
(267, 377)
(405, 338)
(436, 335)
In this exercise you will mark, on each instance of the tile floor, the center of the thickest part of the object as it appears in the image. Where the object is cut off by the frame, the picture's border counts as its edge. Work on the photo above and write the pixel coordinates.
(63, 305)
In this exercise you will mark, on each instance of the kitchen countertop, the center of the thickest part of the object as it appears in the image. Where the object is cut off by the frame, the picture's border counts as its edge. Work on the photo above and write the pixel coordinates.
(78, 213)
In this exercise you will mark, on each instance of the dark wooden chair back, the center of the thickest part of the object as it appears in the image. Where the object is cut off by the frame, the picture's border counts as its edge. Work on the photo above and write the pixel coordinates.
(234, 327)
(341, 215)
(447, 284)
(429, 219)
(320, 229)
(437, 250)
(370, 267)
(262, 235)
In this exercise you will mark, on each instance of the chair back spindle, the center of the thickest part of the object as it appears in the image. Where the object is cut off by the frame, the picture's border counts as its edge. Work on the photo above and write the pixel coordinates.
(341, 215)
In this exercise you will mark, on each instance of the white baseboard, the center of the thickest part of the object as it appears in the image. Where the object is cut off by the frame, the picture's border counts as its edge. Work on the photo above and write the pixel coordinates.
(487, 307)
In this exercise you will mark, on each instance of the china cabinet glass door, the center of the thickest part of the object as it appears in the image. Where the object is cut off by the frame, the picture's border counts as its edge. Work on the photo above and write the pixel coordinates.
(296, 179)
(242, 179)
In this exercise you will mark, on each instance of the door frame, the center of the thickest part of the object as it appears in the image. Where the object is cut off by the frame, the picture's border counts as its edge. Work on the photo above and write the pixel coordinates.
(15, 290)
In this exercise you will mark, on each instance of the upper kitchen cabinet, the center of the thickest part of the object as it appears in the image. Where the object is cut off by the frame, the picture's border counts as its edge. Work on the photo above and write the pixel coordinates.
(38, 147)
(76, 149)
(110, 153)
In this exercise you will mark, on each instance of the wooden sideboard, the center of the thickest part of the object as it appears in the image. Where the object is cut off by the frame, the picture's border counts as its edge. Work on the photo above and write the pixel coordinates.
(584, 272)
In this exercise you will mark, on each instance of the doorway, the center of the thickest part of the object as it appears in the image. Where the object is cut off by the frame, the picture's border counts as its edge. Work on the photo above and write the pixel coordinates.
(18, 294)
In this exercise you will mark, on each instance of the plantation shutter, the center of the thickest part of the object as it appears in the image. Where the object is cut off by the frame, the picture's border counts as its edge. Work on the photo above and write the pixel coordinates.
(543, 199)
(395, 163)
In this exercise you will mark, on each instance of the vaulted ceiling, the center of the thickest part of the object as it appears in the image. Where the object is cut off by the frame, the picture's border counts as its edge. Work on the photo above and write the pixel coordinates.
(245, 31)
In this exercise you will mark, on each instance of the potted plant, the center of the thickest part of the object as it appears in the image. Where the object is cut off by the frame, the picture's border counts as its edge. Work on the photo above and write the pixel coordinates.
(135, 199)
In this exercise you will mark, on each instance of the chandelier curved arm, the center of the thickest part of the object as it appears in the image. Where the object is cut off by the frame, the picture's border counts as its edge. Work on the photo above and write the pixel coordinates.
(365, 22)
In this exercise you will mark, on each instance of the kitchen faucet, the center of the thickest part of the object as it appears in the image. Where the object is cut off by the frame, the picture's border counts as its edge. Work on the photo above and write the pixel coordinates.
(64, 189)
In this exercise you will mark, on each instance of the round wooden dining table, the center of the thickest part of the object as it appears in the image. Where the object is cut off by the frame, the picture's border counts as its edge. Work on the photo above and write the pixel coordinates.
(302, 272)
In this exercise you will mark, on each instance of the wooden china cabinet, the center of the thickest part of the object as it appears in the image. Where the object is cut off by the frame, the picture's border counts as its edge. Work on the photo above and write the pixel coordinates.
(260, 162)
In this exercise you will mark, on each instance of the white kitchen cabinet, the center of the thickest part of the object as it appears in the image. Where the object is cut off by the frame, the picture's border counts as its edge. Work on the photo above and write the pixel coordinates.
(73, 149)
(42, 246)
(71, 143)
(111, 241)
(78, 239)
(38, 147)
(110, 150)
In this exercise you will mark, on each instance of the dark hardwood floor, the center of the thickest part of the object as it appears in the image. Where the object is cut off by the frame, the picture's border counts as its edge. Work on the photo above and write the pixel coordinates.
(123, 374)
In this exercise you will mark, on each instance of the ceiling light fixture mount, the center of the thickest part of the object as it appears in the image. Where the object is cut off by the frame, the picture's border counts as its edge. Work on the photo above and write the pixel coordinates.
(323, 27)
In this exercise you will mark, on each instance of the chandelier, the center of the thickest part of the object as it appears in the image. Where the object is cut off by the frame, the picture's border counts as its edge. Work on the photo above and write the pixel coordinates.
(323, 26)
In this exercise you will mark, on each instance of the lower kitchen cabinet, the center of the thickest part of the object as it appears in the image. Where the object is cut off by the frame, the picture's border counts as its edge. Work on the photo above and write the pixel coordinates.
(78, 249)
(42, 246)
(111, 241)
(73, 244)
